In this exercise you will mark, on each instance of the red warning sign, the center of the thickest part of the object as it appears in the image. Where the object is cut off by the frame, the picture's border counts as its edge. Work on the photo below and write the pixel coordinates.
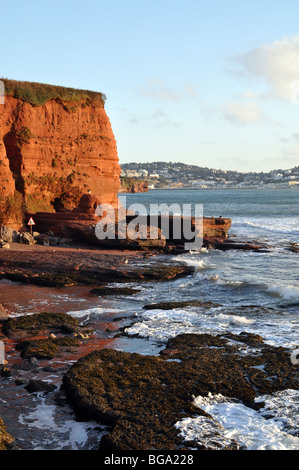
(31, 221)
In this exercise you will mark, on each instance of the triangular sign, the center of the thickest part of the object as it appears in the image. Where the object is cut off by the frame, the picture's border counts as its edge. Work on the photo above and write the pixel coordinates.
(31, 221)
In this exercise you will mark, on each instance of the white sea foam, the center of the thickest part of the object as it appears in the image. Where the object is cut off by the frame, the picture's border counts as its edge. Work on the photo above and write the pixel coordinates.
(96, 311)
(284, 225)
(224, 282)
(201, 265)
(283, 408)
(191, 259)
(235, 319)
(160, 325)
(289, 292)
(59, 432)
(205, 432)
(249, 427)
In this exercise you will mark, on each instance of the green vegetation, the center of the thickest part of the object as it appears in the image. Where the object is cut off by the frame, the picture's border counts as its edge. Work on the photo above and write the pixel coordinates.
(12, 207)
(23, 135)
(39, 93)
(128, 184)
(54, 162)
(65, 188)
(37, 203)
(61, 187)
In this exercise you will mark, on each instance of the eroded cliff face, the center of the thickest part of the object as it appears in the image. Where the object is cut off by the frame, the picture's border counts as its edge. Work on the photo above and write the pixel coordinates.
(52, 154)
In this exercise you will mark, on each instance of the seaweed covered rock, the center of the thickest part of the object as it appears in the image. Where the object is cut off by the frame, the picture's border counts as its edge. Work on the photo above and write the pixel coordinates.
(38, 322)
(45, 348)
(46, 334)
(167, 272)
(133, 393)
(179, 304)
(41, 349)
(6, 439)
(104, 291)
(236, 365)
(143, 397)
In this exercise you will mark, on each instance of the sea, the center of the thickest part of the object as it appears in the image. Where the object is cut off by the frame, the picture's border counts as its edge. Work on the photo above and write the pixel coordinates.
(253, 291)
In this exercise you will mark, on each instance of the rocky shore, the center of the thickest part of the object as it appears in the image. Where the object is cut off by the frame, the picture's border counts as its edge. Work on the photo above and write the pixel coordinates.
(61, 266)
(167, 234)
(140, 400)
(32, 342)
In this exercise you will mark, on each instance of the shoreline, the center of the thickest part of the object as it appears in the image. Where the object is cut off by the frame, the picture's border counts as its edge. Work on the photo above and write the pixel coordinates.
(211, 364)
(295, 186)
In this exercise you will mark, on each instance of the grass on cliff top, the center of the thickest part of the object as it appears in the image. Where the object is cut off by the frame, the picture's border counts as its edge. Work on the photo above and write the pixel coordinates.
(39, 93)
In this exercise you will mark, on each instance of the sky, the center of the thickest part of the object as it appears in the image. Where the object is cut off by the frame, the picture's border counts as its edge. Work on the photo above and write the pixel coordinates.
(213, 84)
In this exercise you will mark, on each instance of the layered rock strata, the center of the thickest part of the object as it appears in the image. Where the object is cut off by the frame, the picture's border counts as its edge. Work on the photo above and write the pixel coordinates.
(51, 154)
(80, 224)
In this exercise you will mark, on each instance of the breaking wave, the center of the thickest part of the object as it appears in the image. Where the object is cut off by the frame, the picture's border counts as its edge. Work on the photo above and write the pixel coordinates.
(273, 427)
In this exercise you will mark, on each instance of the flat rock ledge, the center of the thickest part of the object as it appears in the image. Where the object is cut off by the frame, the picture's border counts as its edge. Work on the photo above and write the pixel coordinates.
(141, 398)
(64, 268)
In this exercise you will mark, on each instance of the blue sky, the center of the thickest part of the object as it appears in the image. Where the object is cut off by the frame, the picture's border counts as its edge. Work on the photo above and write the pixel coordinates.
(214, 83)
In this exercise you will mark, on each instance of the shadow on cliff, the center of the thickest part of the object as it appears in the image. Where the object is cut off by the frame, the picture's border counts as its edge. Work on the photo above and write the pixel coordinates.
(14, 155)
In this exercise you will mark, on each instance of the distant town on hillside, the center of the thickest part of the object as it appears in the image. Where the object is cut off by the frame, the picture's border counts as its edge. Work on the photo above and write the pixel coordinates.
(181, 175)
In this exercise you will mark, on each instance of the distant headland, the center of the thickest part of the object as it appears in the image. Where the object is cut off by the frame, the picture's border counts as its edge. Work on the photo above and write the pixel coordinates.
(160, 175)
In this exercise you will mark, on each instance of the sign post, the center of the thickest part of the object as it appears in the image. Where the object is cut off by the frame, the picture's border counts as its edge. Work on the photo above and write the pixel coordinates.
(30, 223)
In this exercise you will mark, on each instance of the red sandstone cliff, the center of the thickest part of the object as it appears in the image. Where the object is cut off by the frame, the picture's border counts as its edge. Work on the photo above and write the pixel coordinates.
(51, 154)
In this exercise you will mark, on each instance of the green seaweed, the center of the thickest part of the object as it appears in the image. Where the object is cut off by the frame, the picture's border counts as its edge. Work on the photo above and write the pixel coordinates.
(38, 321)
(6, 439)
(142, 397)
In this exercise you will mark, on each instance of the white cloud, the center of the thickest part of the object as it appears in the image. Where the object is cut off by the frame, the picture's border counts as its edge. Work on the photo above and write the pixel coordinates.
(161, 119)
(155, 88)
(128, 115)
(277, 64)
(248, 94)
(242, 113)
